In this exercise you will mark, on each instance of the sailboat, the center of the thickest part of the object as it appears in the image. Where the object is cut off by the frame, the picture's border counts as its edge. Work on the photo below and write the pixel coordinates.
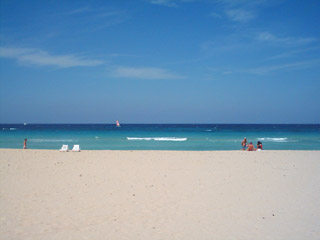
(117, 124)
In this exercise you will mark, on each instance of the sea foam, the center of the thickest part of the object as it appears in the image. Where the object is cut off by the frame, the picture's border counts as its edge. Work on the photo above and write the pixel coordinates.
(273, 139)
(11, 129)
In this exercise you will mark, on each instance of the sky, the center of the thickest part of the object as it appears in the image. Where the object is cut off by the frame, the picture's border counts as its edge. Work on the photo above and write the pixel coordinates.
(160, 61)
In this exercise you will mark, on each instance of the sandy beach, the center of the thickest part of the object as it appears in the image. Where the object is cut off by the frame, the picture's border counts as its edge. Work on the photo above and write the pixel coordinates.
(46, 194)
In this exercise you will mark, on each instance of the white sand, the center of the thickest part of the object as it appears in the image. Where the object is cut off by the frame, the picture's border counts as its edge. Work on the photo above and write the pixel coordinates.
(151, 195)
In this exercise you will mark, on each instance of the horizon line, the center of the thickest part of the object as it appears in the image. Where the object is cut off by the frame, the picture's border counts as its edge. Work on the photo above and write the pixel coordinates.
(163, 123)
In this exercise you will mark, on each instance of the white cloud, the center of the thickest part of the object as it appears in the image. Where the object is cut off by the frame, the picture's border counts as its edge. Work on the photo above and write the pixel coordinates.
(239, 15)
(42, 58)
(291, 41)
(144, 73)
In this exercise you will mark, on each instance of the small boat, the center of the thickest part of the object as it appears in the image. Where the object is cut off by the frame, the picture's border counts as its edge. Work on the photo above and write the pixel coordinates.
(117, 124)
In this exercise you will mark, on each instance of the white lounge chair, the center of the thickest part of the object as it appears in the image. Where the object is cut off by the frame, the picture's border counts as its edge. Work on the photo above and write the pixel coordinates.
(64, 148)
(76, 148)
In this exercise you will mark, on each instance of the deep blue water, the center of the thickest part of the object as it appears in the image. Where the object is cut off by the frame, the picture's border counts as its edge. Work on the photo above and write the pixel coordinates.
(161, 136)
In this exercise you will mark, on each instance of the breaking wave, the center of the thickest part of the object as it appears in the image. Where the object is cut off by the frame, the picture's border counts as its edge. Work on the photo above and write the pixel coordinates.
(11, 129)
(157, 139)
(273, 139)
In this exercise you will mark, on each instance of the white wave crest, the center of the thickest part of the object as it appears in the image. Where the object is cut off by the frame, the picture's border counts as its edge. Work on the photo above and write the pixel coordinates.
(209, 130)
(273, 139)
(157, 139)
(51, 140)
(11, 129)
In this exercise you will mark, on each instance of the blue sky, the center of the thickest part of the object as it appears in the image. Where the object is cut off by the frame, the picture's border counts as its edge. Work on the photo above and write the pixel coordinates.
(160, 61)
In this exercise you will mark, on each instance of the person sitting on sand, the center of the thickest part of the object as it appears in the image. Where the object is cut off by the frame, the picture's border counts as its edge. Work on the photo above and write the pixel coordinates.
(250, 147)
(25, 144)
(244, 144)
(259, 145)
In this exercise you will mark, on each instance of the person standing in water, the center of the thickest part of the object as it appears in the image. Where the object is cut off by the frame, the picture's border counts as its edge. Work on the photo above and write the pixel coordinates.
(25, 144)
(244, 144)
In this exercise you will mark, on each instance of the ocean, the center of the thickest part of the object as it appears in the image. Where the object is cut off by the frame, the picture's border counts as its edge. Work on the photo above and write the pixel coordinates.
(193, 137)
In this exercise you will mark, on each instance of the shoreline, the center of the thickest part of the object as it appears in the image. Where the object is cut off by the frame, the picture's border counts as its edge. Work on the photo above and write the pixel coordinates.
(138, 150)
(134, 194)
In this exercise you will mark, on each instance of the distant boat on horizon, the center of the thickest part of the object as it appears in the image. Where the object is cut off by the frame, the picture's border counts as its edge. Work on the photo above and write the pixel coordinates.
(25, 124)
(117, 124)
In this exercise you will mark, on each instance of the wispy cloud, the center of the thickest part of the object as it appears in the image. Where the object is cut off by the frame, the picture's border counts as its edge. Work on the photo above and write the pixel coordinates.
(286, 66)
(170, 3)
(292, 53)
(107, 19)
(98, 18)
(268, 69)
(244, 3)
(113, 55)
(239, 15)
(223, 46)
(290, 41)
(144, 73)
(215, 15)
(79, 10)
(42, 58)
(239, 11)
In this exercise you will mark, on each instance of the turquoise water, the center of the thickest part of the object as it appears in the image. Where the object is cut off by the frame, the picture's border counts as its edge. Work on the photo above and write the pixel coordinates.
(161, 136)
